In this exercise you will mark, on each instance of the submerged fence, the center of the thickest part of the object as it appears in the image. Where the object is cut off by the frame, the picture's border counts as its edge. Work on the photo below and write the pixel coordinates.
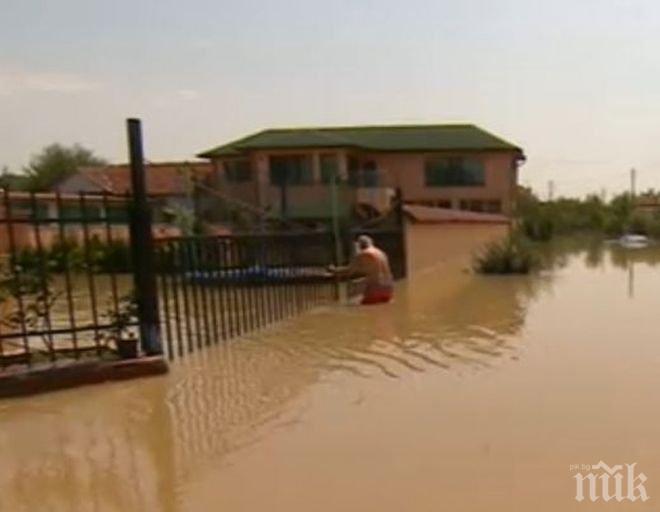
(215, 288)
(67, 280)
(82, 275)
(67, 274)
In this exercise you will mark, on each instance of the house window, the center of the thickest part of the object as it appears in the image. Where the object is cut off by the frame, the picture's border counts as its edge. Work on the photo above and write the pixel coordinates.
(353, 171)
(117, 215)
(472, 205)
(481, 205)
(432, 203)
(238, 171)
(26, 210)
(89, 212)
(365, 176)
(493, 206)
(329, 167)
(454, 172)
(291, 170)
(370, 174)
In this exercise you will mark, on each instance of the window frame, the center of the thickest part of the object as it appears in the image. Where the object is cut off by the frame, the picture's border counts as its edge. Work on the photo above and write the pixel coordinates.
(472, 205)
(303, 173)
(364, 175)
(457, 172)
(326, 174)
(481, 205)
(234, 173)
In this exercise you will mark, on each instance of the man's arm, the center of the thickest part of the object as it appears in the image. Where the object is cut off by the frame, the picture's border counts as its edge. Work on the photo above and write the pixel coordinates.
(353, 269)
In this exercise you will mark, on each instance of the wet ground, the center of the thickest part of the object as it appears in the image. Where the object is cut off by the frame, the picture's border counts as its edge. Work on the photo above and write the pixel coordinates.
(468, 393)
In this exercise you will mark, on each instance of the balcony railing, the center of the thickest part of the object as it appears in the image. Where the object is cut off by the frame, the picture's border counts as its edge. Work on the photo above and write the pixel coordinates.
(316, 201)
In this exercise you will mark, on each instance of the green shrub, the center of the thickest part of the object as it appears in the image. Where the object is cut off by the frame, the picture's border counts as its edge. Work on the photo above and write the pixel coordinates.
(67, 254)
(110, 257)
(643, 224)
(654, 228)
(639, 224)
(52, 258)
(63, 254)
(614, 226)
(541, 220)
(512, 255)
(538, 227)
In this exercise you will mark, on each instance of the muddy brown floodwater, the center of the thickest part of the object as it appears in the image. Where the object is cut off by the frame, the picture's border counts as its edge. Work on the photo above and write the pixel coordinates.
(468, 393)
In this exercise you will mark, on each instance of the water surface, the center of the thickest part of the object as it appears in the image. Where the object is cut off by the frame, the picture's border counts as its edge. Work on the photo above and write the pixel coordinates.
(468, 393)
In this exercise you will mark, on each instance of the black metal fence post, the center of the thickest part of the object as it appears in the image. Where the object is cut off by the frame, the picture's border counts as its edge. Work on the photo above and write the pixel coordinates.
(401, 224)
(146, 291)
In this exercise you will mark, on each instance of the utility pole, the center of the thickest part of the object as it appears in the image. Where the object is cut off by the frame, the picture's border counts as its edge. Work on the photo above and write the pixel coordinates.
(633, 182)
(551, 190)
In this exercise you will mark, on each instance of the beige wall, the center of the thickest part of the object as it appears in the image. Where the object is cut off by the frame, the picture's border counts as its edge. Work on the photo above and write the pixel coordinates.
(25, 235)
(398, 170)
(449, 246)
(407, 172)
(46, 234)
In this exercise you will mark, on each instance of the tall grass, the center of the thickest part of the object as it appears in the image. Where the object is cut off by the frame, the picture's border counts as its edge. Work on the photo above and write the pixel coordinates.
(511, 255)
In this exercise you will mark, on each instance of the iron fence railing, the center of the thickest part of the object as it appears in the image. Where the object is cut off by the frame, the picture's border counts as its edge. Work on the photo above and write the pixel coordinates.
(81, 274)
(64, 268)
(67, 276)
(215, 288)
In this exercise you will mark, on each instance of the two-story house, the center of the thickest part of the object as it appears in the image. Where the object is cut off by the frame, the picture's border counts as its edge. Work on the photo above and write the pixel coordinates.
(290, 171)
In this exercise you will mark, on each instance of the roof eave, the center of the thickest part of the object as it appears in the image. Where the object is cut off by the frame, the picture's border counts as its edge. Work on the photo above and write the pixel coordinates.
(234, 153)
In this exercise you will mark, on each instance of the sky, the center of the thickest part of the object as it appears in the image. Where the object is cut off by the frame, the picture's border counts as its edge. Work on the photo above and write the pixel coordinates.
(575, 83)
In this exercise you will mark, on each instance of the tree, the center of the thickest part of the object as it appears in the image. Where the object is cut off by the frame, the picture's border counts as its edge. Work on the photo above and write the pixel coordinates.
(12, 181)
(57, 162)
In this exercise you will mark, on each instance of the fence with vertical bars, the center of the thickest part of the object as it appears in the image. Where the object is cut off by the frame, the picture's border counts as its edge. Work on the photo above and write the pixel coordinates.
(215, 288)
(67, 278)
(64, 267)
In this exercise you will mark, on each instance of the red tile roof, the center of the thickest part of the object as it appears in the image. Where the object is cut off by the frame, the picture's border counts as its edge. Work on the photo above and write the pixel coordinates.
(169, 178)
(647, 201)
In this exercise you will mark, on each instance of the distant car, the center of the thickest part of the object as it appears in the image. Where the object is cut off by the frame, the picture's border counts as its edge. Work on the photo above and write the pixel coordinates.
(634, 241)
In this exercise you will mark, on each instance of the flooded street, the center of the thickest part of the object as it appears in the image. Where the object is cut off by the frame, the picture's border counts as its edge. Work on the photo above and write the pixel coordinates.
(468, 393)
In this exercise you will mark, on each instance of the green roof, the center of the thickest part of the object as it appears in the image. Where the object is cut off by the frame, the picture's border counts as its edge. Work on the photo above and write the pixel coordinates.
(443, 137)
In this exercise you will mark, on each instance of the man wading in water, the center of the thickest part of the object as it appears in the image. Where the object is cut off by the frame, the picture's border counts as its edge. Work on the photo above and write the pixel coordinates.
(372, 263)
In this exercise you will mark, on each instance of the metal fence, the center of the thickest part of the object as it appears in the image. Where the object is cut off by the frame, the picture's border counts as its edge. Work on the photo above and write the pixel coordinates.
(68, 277)
(215, 288)
(65, 266)
(80, 274)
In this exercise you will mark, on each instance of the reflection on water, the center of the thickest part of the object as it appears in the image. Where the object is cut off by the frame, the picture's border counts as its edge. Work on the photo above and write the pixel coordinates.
(104, 450)
(144, 445)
